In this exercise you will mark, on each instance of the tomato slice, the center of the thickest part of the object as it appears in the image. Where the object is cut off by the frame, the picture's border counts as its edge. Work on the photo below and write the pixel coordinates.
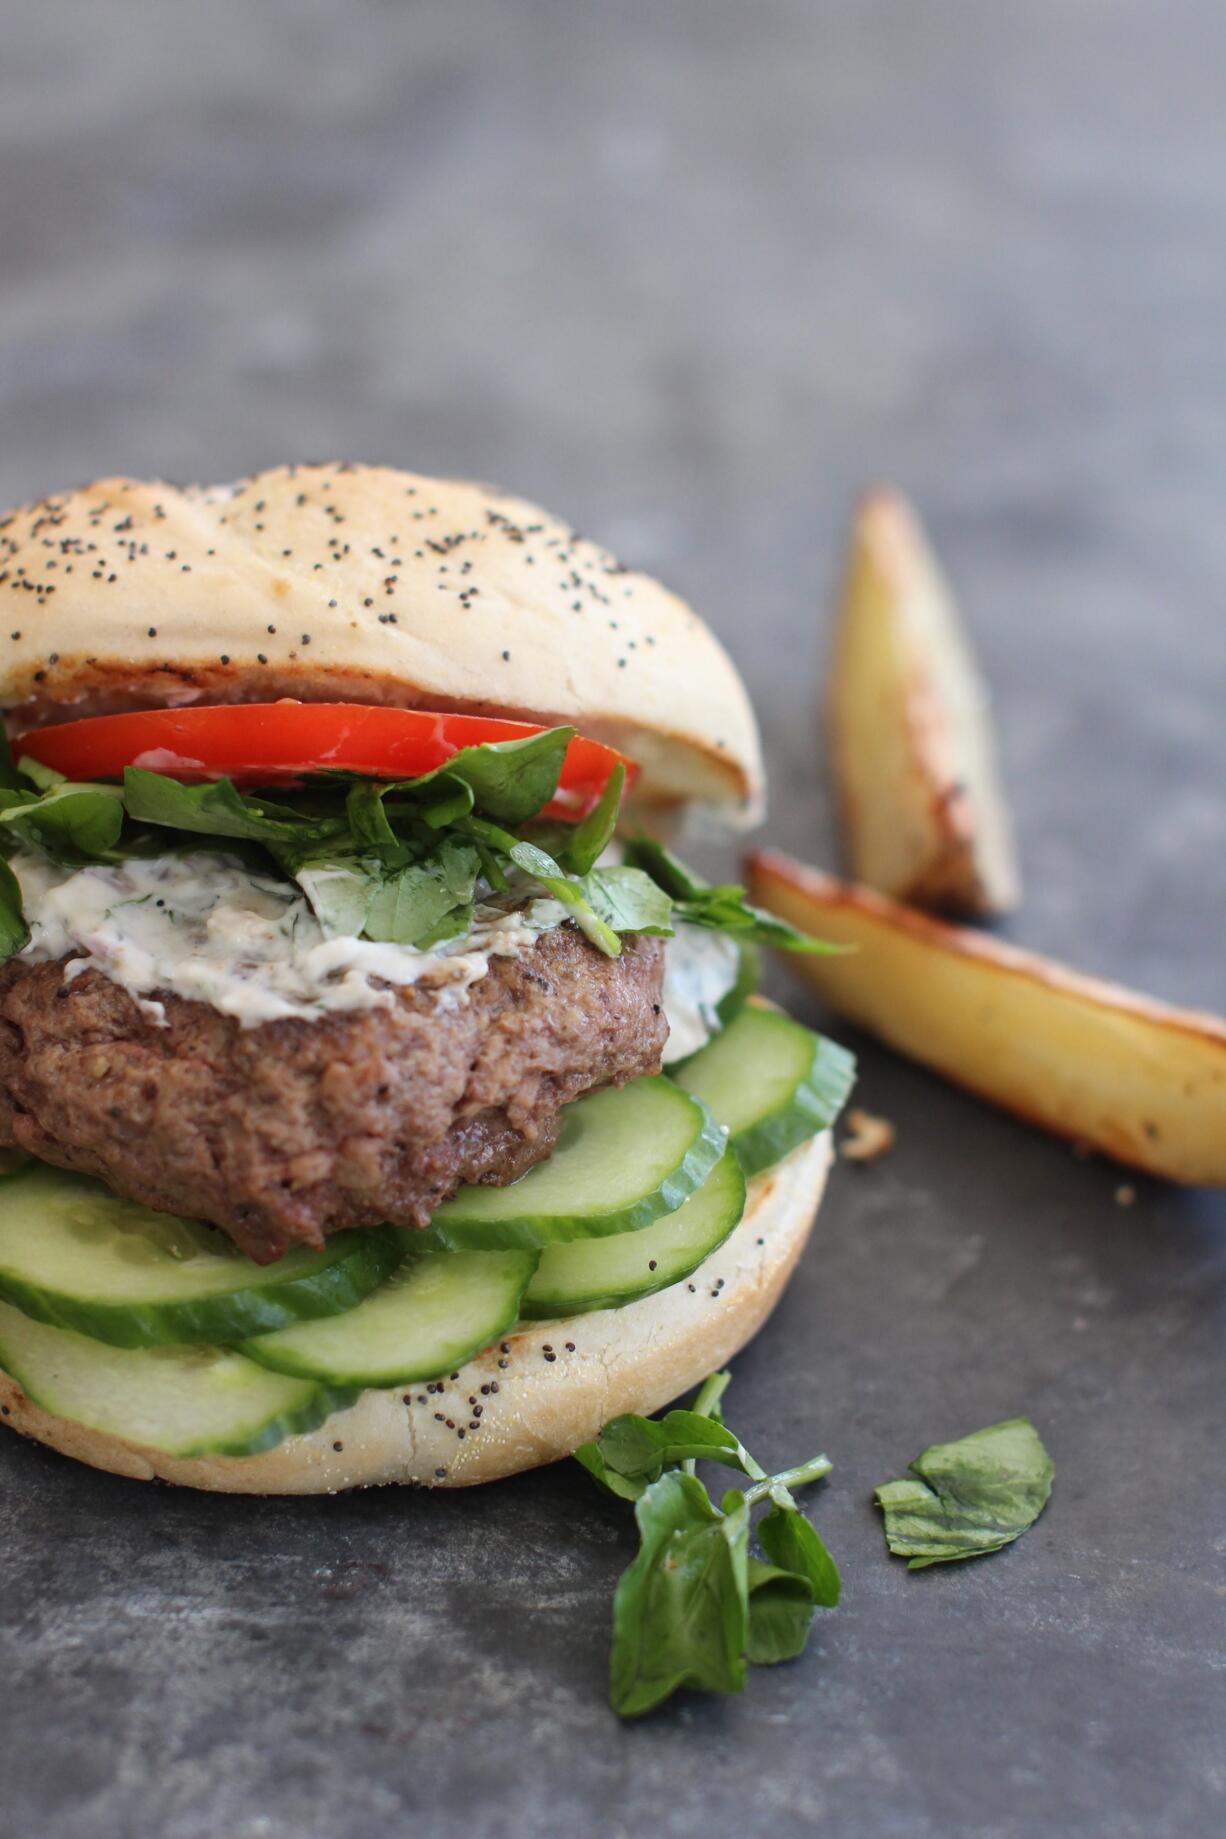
(270, 743)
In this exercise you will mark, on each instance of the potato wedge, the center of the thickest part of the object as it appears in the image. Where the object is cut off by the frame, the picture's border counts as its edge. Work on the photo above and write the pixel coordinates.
(911, 746)
(1139, 1080)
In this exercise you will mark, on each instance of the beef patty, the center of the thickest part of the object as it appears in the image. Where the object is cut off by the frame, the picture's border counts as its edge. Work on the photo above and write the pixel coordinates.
(282, 1133)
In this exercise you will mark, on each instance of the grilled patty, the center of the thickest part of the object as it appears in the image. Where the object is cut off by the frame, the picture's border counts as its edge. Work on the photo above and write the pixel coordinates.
(283, 1133)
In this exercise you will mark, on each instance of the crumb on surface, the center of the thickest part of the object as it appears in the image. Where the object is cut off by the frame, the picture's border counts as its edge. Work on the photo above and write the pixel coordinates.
(867, 1137)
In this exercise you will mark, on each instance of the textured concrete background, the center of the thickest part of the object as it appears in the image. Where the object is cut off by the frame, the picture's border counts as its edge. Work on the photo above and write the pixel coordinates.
(694, 273)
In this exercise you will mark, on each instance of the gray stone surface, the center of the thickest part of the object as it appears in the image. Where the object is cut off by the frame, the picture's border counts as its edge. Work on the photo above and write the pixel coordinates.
(693, 273)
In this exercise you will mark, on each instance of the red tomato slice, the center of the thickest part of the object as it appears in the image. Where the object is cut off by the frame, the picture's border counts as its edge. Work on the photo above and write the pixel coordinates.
(266, 743)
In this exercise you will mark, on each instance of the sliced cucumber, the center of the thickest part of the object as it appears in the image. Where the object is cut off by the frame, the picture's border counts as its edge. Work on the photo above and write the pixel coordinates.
(772, 1082)
(623, 1158)
(432, 1314)
(185, 1401)
(74, 1255)
(605, 1273)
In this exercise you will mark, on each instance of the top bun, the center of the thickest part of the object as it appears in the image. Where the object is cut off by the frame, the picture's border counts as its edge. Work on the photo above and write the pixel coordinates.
(365, 584)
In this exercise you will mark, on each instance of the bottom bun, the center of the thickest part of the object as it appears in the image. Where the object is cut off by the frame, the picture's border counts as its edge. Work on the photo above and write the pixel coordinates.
(532, 1398)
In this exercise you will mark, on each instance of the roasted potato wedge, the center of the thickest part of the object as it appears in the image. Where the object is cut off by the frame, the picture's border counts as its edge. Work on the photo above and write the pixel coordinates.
(911, 745)
(1139, 1080)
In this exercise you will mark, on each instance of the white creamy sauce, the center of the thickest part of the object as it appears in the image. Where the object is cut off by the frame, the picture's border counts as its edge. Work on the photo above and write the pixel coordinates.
(700, 967)
(199, 926)
(202, 927)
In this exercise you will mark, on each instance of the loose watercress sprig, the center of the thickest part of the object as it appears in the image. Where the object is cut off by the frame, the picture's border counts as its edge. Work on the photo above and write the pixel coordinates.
(696, 1606)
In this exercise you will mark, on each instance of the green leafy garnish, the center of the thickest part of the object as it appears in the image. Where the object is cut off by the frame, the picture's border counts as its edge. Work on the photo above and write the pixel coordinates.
(218, 809)
(406, 862)
(592, 836)
(725, 909)
(966, 1498)
(70, 824)
(696, 1606)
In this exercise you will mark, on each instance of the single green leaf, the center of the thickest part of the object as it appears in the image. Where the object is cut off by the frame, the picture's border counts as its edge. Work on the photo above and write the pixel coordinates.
(638, 1447)
(340, 893)
(680, 1614)
(543, 868)
(590, 838)
(792, 1543)
(459, 865)
(628, 900)
(512, 780)
(590, 1458)
(453, 925)
(968, 1497)
(68, 823)
(14, 933)
(780, 1614)
(219, 809)
(369, 823)
(666, 870)
(409, 905)
(449, 807)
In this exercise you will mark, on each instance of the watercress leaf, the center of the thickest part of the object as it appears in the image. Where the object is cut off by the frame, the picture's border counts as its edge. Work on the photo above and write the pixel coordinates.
(368, 820)
(724, 909)
(453, 925)
(459, 865)
(625, 1488)
(407, 907)
(452, 804)
(680, 1615)
(17, 798)
(14, 933)
(340, 893)
(535, 862)
(219, 809)
(780, 1614)
(512, 780)
(628, 900)
(968, 1497)
(793, 1545)
(591, 837)
(68, 823)
(666, 870)
(643, 1447)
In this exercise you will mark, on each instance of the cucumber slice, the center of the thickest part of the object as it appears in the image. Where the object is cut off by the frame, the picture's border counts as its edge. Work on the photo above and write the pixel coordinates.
(623, 1158)
(605, 1273)
(74, 1255)
(432, 1314)
(772, 1082)
(185, 1401)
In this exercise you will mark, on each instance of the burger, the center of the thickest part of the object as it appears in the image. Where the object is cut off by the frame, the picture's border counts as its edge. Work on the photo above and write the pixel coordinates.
(381, 1098)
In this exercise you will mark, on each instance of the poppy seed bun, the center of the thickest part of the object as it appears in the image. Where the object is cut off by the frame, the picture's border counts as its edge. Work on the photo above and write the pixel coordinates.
(554, 1387)
(364, 584)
